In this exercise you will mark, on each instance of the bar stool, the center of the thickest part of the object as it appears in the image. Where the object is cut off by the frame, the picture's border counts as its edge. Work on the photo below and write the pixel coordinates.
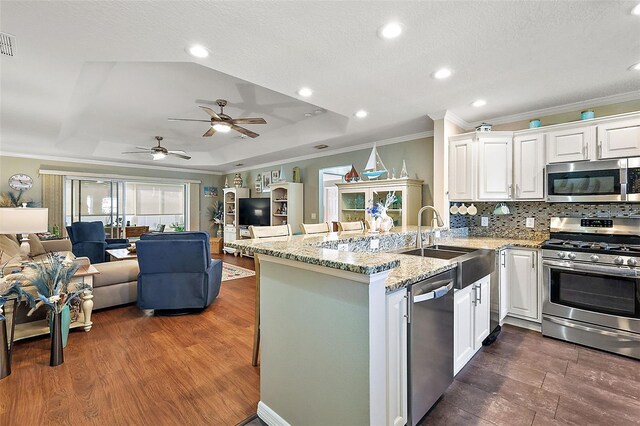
(315, 228)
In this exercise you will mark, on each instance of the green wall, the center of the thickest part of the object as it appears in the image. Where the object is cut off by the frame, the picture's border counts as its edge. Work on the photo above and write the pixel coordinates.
(12, 165)
(418, 154)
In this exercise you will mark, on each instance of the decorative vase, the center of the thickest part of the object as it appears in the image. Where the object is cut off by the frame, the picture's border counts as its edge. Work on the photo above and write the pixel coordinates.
(226, 182)
(386, 222)
(296, 175)
(237, 181)
(281, 177)
(373, 224)
(403, 172)
(66, 324)
(57, 349)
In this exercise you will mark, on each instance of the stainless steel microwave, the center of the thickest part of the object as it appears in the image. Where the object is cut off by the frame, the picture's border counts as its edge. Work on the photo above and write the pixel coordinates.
(599, 181)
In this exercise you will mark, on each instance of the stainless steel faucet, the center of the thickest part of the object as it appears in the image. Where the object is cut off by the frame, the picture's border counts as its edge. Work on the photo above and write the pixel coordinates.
(439, 221)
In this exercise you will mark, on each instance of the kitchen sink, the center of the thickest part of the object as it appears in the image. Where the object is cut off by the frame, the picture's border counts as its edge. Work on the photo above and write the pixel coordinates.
(472, 264)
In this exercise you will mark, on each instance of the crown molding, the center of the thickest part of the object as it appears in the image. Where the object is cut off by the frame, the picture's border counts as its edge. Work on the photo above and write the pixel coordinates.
(560, 109)
(450, 116)
(398, 139)
(107, 163)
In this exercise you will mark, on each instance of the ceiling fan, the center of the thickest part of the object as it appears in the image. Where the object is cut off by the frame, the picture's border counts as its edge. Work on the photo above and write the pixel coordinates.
(159, 152)
(221, 122)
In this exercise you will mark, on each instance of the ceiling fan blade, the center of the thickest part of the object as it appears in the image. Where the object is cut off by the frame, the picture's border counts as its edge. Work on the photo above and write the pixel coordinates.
(211, 112)
(249, 121)
(209, 132)
(177, 151)
(145, 149)
(244, 131)
(188, 119)
(137, 152)
(185, 157)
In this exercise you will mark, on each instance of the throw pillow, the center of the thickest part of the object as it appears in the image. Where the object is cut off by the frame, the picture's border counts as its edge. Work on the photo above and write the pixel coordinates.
(9, 245)
(36, 246)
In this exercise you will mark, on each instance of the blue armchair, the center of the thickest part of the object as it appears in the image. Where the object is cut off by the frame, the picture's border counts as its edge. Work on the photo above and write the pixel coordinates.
(177, 274)
(89, 240)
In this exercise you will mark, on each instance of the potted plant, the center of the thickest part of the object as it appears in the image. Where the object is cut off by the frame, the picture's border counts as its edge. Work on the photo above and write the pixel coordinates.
(216, 216)
(177, 227)
(52, 281)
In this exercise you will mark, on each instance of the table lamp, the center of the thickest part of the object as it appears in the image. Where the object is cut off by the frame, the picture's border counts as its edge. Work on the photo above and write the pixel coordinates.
(25, 221)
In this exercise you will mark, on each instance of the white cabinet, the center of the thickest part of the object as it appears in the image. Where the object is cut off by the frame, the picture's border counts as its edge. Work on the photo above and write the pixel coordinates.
(353, 199)
(528, 166)
(471, 321)
(571, 144)
(495, 168)
(397, 386)
(462, 168)
(619, 138)
(231, 210)
(287, 200)
(522, 281)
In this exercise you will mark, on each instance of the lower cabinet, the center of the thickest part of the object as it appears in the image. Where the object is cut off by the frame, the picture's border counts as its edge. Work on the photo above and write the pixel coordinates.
(521, 283)
(471, 319)
(397, 358)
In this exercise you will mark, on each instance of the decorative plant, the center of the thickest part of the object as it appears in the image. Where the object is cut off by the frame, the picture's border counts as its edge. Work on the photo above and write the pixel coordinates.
(12, 199)
(51, 279)
(216, 212)
(378, 209)
(9, 285)
(178, 227)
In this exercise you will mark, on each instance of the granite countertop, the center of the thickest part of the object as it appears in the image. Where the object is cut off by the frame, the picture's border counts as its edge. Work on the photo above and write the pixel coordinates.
(321, 249)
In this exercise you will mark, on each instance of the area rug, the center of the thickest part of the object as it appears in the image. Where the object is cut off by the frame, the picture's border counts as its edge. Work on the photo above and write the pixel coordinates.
(233, 272)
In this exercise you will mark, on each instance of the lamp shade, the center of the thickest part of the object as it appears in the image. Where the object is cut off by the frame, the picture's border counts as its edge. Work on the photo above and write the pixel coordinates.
(23, 220)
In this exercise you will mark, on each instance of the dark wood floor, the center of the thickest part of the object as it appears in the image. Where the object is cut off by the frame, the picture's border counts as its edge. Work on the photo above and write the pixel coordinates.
(137, 369)
(196, 370)
(526, 379)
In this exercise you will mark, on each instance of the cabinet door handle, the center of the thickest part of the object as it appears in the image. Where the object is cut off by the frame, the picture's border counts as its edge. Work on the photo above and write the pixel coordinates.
(533, 260)
(585, 148)
(480, 292)
(504, 259)
(517, 190)
(510, 190)
(599, 149)
(475, 294)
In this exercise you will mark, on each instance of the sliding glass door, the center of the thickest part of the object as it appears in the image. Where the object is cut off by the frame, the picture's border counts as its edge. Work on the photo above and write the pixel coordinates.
(95, 200)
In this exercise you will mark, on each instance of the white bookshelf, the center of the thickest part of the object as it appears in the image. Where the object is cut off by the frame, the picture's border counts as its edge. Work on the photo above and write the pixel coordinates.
(231, 210)
(287, 200)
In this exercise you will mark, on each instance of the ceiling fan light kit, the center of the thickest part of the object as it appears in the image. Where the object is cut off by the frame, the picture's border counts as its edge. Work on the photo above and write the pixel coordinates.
(221, 122)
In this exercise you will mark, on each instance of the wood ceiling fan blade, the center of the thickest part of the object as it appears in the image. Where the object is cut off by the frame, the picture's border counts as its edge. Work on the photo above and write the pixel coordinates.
(209, 132)
(189, 119)
(211, 112)
(244, 131)
(185, 157)
(137, 152)
(177, 151)
(146, 149)
(249, 121)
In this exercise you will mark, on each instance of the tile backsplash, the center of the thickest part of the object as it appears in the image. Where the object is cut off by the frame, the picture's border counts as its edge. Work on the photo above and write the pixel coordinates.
(513, 225)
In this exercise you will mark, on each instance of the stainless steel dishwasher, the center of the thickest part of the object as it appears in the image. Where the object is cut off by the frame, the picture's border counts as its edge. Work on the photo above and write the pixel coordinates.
(430, 342)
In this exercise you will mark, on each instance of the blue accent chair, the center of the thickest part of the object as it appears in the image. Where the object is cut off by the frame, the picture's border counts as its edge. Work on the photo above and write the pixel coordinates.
(88, 239)
(177, 274)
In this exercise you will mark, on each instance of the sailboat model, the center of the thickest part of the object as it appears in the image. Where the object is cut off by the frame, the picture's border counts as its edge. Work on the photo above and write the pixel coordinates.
(375, 167)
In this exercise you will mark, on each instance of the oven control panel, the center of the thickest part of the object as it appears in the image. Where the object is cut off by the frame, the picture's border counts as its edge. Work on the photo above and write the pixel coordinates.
(596, 223)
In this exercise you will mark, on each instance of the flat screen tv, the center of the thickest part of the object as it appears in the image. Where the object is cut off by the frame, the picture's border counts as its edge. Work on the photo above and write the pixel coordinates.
(254, 211)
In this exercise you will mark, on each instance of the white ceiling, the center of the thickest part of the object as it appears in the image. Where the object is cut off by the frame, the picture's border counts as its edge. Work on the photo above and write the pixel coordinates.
(92, 79)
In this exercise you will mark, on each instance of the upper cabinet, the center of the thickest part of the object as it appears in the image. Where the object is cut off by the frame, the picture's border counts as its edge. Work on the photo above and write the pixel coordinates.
(528, 166)
(462, 177)
(495, 172)
(571, 144)
(619, 139)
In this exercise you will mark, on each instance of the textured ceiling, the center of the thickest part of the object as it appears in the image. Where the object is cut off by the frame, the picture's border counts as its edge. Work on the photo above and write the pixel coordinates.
(91, 79)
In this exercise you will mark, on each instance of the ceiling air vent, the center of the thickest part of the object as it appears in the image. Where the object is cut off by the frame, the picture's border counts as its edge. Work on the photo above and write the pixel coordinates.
(7, 44)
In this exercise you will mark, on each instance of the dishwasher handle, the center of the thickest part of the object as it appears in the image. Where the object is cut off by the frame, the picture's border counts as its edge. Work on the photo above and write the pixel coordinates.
(435, 294)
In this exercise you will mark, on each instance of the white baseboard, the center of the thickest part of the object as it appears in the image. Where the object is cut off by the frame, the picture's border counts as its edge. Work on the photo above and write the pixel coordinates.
(269, 416)
(529, 325)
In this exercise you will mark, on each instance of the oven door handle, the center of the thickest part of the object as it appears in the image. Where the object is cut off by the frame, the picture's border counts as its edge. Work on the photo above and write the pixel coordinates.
(598, 330)
(579, 267)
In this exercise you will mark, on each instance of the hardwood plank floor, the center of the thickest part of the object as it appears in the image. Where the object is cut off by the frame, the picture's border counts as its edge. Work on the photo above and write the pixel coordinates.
(133, 368)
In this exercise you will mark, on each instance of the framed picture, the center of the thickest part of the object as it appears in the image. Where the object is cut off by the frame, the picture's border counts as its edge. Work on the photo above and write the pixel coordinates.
(266, 181)
(209, 191)
(275, 176)
(258, 184)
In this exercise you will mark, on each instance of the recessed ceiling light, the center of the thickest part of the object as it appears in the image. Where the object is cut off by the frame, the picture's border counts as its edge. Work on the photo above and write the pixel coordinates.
(442, 73)
(636, 10)
(361, 114)
(307, 114)
(198, 51)
(305, 92)
(390, 30)
(321, 146)
(479, 103)
(318, 111)
(221, 127)
(635, 67)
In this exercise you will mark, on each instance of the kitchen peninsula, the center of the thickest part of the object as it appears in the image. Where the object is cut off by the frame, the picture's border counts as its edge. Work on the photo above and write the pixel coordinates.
(333, 326)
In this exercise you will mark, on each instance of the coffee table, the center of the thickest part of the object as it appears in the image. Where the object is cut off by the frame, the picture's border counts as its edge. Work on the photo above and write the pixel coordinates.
(122, 254)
